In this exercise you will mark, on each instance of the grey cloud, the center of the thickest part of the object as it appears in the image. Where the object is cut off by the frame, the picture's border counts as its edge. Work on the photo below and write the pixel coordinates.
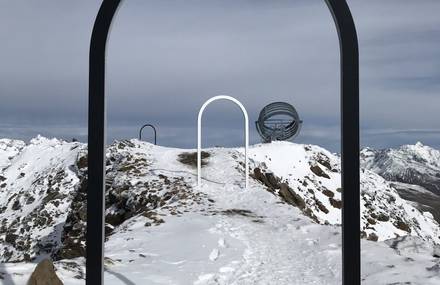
(165, 58)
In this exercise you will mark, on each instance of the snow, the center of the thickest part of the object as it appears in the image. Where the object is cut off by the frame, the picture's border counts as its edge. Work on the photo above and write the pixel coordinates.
(8, 150)
(414, 164)
(222, 233)
(35, 171)
(412, 264)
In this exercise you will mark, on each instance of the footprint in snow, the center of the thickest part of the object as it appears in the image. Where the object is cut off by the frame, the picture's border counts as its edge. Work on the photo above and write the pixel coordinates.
(312, 241)
(226, 269)
(214, 254)
(221, 242)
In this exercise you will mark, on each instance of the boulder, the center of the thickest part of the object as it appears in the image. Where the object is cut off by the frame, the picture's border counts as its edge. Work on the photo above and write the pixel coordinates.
(291, 197)
(318, 171)
(272, 180)
(44, 274)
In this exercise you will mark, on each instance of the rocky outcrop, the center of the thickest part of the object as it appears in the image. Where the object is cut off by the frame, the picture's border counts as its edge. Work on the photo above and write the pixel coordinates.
(318, 171)
(125, 199)
(309, 177)
(190, 158)
(44, 274)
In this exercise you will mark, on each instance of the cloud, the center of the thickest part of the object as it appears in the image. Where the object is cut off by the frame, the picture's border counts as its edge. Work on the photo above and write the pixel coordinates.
(166, 58)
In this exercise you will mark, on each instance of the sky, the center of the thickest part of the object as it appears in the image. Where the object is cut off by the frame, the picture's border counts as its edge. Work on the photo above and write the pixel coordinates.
(166, 58)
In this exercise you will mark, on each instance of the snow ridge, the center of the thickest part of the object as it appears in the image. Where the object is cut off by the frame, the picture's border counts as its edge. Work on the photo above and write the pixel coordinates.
(284, 227)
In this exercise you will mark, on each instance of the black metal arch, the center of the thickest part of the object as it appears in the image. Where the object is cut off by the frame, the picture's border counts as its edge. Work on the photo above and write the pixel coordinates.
(349, 152)
(154, 130)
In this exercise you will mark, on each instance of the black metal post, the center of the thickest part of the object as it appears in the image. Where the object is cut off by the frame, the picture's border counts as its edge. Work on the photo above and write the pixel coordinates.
(349, 152)
(154, 130)
(351, 212)
(96, 145)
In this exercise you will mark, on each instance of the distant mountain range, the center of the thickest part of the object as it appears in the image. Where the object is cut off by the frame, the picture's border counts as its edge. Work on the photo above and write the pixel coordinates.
(414, 171)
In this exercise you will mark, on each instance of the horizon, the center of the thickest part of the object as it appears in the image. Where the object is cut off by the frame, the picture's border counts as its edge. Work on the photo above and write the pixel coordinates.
(147, 140)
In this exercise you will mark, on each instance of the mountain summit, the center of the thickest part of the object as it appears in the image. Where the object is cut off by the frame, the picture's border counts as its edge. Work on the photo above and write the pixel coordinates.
(414, 170)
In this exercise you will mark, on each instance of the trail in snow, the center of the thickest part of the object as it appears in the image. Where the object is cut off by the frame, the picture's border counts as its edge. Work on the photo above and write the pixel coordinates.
(280, 245)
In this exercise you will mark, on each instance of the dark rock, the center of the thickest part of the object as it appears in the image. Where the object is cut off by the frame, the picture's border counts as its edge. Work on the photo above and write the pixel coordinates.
(239, 212)
(322, 207)
(259, 175)
(30, 200)
(52, 194)
(11, 238)
(71, 250)
(127, 168)
(16, 206)
(291, 197)
(325, 162)
(82, 213)
(190, 158)
(73, 236)
(82, 162)
(335, 203)
(268, 179)
(328, 193)
(383, 218)
(373, 237)
(402, 226)
(115, 218)
(272, 180)
(371, 221)
(318, 171)
(435, 268)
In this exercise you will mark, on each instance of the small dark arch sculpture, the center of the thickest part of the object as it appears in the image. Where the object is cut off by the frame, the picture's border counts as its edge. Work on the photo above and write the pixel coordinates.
(349, 53)
(154, 130)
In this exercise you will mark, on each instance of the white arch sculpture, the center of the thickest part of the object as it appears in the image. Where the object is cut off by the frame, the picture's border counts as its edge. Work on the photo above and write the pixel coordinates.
(199, 136)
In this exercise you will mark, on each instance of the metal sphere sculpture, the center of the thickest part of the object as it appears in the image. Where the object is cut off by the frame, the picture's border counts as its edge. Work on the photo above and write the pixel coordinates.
(278, 121)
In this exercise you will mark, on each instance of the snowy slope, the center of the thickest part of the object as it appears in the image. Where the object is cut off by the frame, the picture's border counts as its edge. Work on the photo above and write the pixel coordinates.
(413, 164)
(314, 174)
(8, 149)
(163, 229)
(414, 171)
(37, 186)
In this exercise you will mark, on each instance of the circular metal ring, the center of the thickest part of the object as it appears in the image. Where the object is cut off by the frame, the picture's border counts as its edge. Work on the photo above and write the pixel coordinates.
(286, 126)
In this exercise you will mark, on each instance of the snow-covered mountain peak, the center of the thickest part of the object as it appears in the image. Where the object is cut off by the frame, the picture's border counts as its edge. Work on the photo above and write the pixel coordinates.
(413, 164)
(414, 154)
(422, 153)
(39, 140)
(419, 144)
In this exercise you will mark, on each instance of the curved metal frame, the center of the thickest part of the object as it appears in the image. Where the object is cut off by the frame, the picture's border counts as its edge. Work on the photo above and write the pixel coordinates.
(349, 153)
(154, 130)
(268, 133)
(199, 136)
